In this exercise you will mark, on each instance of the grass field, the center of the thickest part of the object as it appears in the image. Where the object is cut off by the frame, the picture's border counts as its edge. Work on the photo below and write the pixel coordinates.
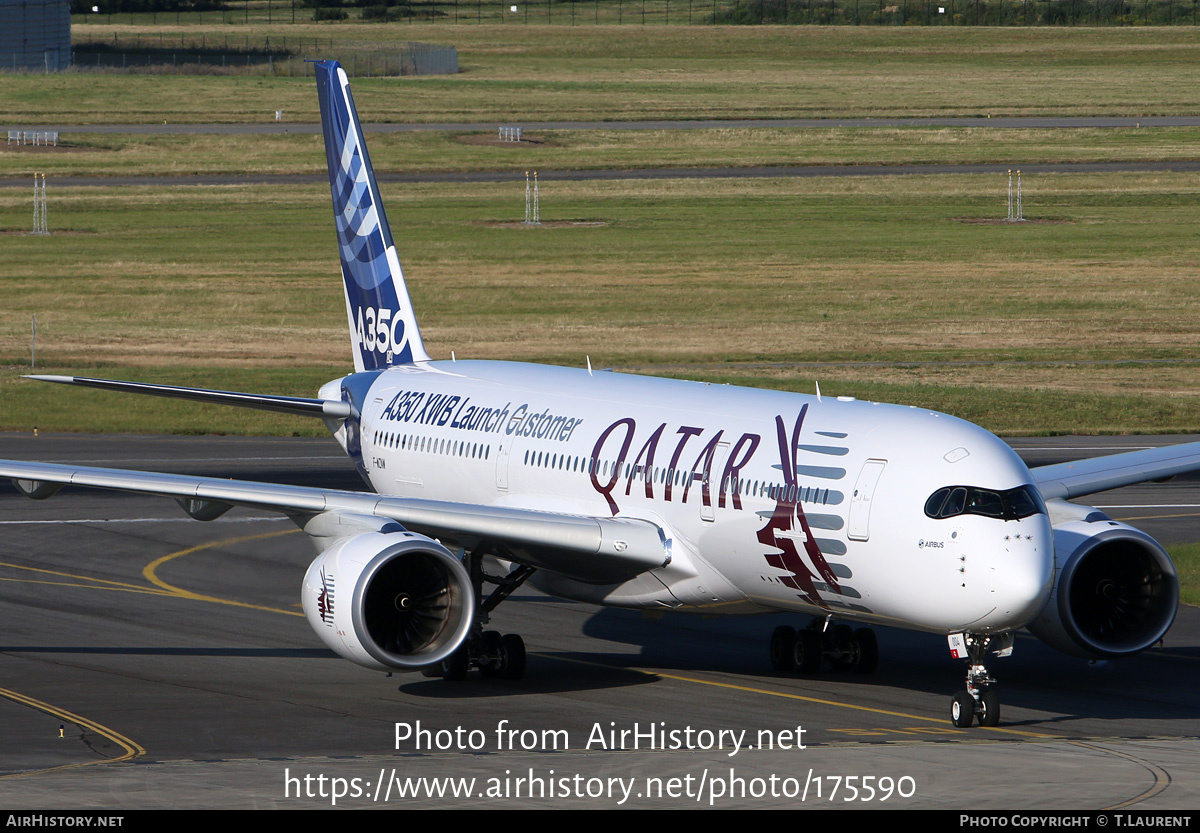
(537, 73)
(1078, 320)
(1081, 320)
(1187, 563)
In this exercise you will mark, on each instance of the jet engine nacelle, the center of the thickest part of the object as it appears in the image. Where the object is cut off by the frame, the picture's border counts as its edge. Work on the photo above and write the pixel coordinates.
(394, 600)
(1115, 593)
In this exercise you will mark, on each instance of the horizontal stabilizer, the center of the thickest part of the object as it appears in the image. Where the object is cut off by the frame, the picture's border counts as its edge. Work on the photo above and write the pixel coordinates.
(296, 405)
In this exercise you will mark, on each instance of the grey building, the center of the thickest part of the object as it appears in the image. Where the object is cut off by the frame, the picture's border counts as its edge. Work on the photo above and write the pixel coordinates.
(35, 34)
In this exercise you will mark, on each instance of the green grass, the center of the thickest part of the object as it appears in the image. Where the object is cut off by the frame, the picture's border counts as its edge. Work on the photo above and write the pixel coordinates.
(538, 72)
(45, 407)
(721, 279)
(729, 280)
(1187, 563)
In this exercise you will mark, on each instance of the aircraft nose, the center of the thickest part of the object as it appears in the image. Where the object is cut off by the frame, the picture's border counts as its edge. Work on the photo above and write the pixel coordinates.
(1022, 569)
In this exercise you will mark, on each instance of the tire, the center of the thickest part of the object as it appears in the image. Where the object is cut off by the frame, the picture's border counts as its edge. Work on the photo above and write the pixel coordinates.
(868, 651)
(455, 666)
(783, 640)
(845, 648)
(807, 651)
(962, 709)
(491, 667)
(512, 651)
(989, 703)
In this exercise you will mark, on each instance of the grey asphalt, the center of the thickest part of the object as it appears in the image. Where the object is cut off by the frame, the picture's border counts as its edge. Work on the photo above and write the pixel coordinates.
(234, 704)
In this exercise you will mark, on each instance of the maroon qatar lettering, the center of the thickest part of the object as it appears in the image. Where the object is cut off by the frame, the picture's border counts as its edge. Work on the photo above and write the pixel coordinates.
(611, 461)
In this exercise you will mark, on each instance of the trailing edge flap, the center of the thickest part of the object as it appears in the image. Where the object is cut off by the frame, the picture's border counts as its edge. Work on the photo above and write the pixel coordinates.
(590, 549)
(1098, 474)
(296, 405)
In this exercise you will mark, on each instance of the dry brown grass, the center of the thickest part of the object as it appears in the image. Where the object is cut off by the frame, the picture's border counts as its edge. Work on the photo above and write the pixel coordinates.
(1031, 295)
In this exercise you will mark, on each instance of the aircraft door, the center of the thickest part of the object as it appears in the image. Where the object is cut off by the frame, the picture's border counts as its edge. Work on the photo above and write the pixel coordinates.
(708, 498)
(859, 522)
(502, 455)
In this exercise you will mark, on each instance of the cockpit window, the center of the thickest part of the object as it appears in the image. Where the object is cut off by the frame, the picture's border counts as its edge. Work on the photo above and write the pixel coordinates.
(1025, 502)
(1010, 505)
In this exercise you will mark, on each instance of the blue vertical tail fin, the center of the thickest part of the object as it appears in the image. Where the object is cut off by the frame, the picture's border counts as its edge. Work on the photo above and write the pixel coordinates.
(383, 326)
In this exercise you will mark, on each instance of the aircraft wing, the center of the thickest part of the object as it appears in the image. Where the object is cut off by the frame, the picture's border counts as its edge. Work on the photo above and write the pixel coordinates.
(592, 549)
(1099, 474)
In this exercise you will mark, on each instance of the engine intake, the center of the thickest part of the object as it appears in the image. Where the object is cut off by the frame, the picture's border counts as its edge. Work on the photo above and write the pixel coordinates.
(1115, 593)
(395, 600)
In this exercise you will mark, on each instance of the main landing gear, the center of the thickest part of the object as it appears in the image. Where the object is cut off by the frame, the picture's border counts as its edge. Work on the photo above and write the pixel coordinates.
(802, 651)
(495, 655)
(979, 697)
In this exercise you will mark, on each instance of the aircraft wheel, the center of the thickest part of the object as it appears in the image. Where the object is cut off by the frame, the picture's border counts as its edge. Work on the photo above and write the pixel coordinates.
(491, 666)
(783, 640)
(512, 653)
(989, 704)
(962, 709)
(454, 667)
(807, 651)
(843, 648)
(868, 651)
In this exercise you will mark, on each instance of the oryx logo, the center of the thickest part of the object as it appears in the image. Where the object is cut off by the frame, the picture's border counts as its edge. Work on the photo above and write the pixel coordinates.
(787, 516)
(325, 598)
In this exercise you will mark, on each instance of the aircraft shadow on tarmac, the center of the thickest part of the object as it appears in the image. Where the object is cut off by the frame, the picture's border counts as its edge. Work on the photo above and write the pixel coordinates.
(1151, 686)
(555, 673)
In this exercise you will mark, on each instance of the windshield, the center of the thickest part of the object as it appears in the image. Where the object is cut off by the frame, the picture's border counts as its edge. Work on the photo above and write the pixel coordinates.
(1011, 505)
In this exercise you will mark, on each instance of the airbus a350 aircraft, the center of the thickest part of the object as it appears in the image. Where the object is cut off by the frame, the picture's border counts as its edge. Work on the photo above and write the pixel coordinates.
(660, 494)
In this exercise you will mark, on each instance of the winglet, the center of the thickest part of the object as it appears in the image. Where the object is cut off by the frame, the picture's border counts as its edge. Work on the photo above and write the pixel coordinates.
(383, 326)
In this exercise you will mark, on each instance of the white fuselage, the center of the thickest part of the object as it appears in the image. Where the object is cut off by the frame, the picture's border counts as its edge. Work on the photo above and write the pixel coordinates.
(846, 535)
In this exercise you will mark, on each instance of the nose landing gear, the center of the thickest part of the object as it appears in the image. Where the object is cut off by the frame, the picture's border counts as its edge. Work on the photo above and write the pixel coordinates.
(979, 698)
